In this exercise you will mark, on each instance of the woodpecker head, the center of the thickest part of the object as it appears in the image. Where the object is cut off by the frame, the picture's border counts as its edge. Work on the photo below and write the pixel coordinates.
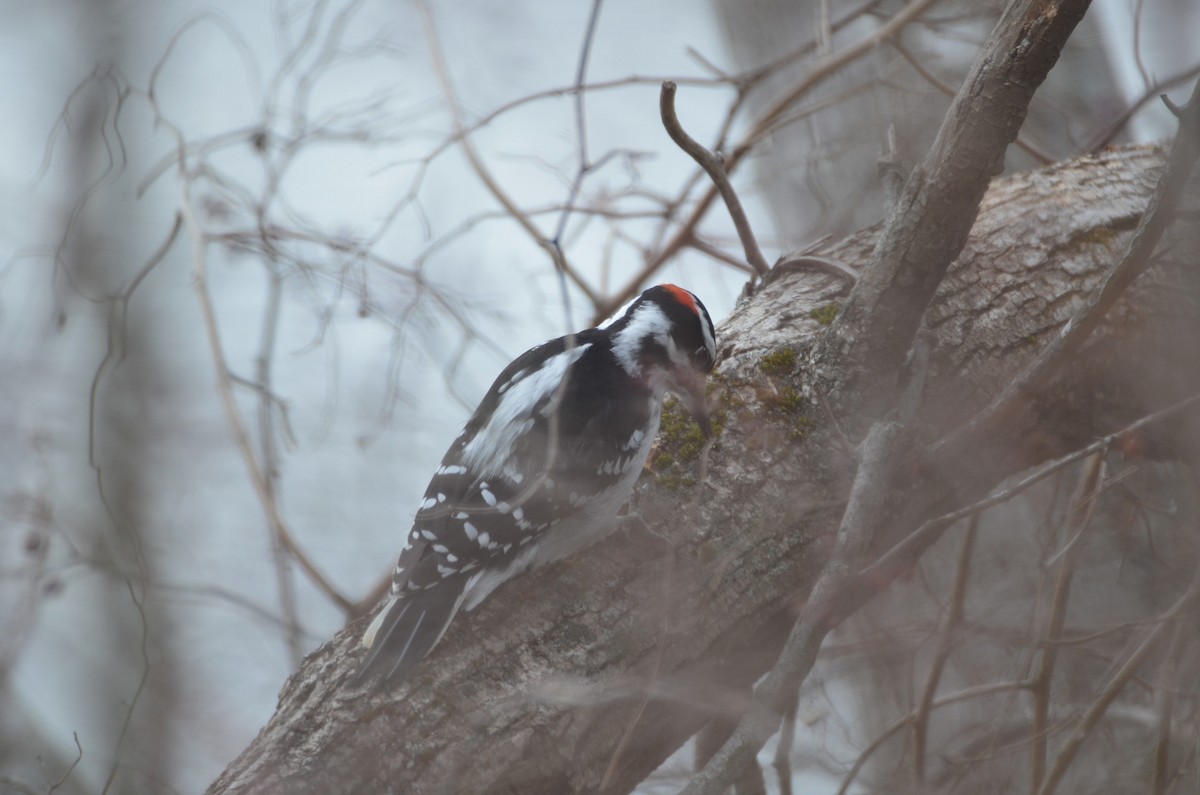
(665, 340)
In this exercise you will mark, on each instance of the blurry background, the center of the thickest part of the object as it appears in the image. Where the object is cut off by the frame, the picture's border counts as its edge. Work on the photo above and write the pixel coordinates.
(264, 208)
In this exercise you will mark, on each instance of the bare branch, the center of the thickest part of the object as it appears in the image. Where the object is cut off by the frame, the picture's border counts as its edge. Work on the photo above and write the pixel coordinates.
(200, 242)
(1078, 522)
(1164, 703)
(903, 554)
(896, 44)
(481, 169)
(952, 698)
(1108, 694)
(716, 171)
(773, 697)
(920, 717)
(1106, 136)
(941, 199)
(687, 229)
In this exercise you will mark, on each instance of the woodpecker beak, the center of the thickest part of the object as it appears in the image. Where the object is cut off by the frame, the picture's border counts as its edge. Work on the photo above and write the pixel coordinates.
(690, 386)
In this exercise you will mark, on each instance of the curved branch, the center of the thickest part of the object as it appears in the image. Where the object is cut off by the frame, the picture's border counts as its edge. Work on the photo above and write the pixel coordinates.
(716, 171)
(831, 66)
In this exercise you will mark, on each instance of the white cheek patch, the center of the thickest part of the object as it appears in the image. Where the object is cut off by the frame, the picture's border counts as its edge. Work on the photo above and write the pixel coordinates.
(648, 322)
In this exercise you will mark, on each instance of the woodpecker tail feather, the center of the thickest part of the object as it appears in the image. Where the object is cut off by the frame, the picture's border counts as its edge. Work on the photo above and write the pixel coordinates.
(408, 627)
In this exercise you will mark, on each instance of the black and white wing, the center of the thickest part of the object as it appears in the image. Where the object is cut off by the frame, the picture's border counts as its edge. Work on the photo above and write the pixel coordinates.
(545, 440)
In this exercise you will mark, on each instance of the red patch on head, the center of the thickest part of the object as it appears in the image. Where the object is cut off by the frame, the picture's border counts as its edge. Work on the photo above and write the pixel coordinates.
(682, 296)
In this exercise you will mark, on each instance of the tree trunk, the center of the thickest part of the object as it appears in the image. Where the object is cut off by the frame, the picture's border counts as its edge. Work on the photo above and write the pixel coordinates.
(585, 676)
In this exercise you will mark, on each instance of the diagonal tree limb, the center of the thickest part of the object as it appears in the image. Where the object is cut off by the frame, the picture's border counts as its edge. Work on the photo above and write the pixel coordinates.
(924, 235)
(1096, 710)
(774, 696)
(938, 206)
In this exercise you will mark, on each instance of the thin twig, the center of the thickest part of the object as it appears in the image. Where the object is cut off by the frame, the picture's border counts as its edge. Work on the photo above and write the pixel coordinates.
(480, 168)
(716, 171)
(710, 250)
(585, 163)
(1078, 520)
(833, 65)
(143, 677)
(268, 449)
(1137, 41)
(71, 769)
(627, 735)
(1095, 712)
(952, 698)
(920, 720)
(233, 415)
(1164, 701)
(783, 751)
(899, 557)
(1021, 141)
(1106, 136)
(1175, 110)
(756, 76)
(824, 28)
(889, 170)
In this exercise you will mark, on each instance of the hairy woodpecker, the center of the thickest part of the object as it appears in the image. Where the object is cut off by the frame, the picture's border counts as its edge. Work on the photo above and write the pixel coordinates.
(542, 467)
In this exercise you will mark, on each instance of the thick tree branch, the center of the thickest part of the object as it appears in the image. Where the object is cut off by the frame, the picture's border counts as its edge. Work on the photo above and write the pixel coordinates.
(925, 233)
(534, 691)
(937, 208)
(1012, 405)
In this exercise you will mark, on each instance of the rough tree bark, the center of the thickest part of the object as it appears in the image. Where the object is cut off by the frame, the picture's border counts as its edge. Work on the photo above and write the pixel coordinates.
(587, 675)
